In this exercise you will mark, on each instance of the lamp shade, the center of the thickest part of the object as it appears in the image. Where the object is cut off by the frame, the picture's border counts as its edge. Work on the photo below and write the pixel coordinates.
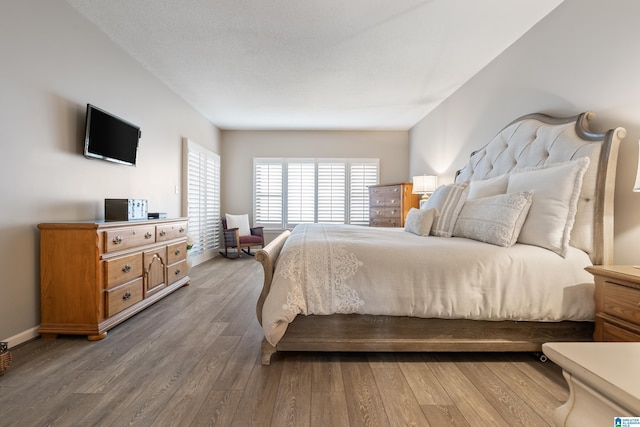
(424, 184)
(636, 186)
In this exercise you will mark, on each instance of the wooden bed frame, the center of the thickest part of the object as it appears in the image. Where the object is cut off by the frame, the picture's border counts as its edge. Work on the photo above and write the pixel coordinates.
(357, 333)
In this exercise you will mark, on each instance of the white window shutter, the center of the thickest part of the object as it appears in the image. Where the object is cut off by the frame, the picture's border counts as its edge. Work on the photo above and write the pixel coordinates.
(202, 200)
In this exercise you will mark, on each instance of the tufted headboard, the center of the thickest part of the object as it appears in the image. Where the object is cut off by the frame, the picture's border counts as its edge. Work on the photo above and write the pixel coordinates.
(537, 140)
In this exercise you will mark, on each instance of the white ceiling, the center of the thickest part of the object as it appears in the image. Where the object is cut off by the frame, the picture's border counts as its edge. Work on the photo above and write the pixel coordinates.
(314, 64)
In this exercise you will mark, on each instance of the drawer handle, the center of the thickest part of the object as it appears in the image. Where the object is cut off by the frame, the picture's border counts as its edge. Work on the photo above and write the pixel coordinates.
(117, 240)
(177, 252)
(393, 200)
(396, 190)
(177, 271)
(393, 212)
(126, 268)
(162, 233)
(378, 201)
(181, 230)
(126, 295)
(148, 235)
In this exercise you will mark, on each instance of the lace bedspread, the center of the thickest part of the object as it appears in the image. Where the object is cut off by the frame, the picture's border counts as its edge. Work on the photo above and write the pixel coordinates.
(326, 269)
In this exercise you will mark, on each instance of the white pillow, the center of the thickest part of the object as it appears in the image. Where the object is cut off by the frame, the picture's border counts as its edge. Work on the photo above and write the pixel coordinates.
(419, 221)
(241, 222)
(448, 200)
(494, 219)
(488, 187)
(554, 203)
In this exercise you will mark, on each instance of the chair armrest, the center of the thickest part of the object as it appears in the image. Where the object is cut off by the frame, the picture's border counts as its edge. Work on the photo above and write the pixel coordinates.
(257, 231)
(230, 237)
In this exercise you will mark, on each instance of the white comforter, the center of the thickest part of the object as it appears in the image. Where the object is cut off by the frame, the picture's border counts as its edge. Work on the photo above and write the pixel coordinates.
(326, 269)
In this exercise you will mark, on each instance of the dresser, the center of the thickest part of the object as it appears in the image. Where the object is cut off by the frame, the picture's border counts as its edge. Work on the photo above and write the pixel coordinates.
(617, 298)
(95, 275)
(390, 204)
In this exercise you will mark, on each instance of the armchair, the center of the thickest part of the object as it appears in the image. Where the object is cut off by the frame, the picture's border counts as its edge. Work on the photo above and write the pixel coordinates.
(237, 237)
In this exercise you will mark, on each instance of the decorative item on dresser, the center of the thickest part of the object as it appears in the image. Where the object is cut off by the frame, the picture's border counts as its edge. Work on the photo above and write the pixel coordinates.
(390, 204)
(617, 302)
(95, 275)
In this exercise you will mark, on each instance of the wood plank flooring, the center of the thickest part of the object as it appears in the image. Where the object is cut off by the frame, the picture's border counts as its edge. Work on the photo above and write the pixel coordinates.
(193, 359)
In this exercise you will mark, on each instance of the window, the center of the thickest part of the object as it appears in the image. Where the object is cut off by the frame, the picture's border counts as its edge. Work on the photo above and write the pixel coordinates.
(202, 199)
(293, 191)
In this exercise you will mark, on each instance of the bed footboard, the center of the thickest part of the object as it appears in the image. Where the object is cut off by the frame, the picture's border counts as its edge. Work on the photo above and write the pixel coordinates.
(268, 257)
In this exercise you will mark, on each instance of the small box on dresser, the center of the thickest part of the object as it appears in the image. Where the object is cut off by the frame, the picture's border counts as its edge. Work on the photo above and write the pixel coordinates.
(617, 299)
(389, 204)
(95, 275)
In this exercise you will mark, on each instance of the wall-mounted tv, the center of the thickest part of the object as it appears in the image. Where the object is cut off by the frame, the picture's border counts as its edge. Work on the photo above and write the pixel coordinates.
(109, 137)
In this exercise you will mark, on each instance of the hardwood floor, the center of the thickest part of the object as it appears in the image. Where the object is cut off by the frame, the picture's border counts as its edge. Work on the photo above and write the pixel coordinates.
(193, 359)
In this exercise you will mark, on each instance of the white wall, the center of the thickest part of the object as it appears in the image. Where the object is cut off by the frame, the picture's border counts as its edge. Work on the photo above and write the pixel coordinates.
(240, 147)
(583, 56)
(54, 62)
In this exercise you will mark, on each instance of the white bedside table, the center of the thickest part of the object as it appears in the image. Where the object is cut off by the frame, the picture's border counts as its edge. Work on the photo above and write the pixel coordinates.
(604, 381)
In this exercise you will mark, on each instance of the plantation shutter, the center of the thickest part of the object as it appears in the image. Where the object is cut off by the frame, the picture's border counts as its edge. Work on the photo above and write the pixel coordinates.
(332, 190)
(363, 174)
(202, 199)
(301, 187)
(268, 192)
(293, 191)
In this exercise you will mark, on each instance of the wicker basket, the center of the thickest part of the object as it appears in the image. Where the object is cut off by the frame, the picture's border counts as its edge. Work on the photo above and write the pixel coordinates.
(5, 361)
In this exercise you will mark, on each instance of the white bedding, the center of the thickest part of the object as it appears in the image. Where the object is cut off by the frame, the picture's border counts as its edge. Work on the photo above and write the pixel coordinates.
(390, 272)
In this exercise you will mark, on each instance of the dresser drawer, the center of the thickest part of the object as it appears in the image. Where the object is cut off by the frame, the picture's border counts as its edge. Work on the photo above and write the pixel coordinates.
(387, 190)
(376, 213)
(123, 269)
(618, 334)
(125, 238)
(176, 271)
(622, 302)
(176, 252)
(171, 231)
(384, 222)
(385, 200)
(123, 297)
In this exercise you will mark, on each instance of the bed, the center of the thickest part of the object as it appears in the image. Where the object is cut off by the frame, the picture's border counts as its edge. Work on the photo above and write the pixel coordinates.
(492, 262)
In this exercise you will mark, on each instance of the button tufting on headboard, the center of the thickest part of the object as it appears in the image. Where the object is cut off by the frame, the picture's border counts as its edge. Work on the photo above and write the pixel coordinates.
(539, 140)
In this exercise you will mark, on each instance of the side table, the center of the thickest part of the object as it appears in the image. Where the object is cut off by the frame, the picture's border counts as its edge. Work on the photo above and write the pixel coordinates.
(603, 378)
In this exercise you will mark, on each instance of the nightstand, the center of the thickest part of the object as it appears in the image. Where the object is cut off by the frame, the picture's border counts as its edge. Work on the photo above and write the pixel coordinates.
(617, 298)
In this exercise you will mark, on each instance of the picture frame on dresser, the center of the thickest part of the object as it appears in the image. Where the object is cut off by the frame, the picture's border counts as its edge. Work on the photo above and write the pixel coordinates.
(95, 275)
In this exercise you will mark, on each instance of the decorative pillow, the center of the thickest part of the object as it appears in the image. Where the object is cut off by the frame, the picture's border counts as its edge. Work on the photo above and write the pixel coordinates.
(488, 187)
(241, 222)
(448, 200)
(554, 203)
(419, 221)
(494, 219)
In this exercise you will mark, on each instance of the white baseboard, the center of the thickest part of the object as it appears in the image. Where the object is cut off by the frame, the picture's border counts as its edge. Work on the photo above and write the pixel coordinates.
(22, 337)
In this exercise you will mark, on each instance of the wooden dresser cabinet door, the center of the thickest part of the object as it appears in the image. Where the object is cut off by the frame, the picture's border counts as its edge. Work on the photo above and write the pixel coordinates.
(155, 269)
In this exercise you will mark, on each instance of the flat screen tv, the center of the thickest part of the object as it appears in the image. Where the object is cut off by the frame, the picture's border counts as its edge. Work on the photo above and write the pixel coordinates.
(109, 137)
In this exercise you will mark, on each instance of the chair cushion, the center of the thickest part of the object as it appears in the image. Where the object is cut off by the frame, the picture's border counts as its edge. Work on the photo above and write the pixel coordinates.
(241, 222)
(251, 239)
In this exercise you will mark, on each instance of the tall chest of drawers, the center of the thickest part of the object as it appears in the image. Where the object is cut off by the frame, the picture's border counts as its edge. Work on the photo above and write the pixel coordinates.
(95, 275)
(390, 204)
